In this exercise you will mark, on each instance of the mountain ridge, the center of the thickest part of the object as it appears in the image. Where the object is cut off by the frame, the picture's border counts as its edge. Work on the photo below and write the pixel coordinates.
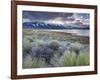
(43, 25)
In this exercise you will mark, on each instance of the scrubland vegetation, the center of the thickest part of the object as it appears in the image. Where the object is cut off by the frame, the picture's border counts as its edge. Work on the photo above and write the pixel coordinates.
(54, 49)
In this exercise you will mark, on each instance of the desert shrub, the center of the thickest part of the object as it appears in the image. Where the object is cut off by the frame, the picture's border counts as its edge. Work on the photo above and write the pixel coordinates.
(61, 51)
(55, 61)
(27, 61)
(32, 44)
(83, 59)
(42, 43)
(77, 44)
(42, 51)
(33, 38)
(75, 47)
(26, 44)
(29, 37)
(37, 63)
(54, 45)
(75, 50)
(48, 54)
(68, 59)
(71, 59)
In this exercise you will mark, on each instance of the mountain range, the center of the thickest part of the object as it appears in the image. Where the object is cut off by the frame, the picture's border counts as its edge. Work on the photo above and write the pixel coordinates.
(44, 25)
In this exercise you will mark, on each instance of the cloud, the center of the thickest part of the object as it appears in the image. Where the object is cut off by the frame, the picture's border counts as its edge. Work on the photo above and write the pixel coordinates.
(55, 17)
(58, 20)
(26, 20)
(36, 15)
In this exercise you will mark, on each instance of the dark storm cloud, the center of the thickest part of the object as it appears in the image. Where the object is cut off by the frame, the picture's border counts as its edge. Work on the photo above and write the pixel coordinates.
(85, 16)
(56, 17)
(35, 15)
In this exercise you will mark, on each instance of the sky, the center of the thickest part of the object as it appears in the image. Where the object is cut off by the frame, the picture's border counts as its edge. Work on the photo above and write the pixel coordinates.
(56, 17)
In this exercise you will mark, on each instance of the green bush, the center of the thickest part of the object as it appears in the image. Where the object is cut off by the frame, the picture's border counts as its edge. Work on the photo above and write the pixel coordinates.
(68, 59)
(26, 44)
(83, 59)
(37, 63)
(54, 45)
(33, 63)
(72, 59)
(55, 61)
(27, 62)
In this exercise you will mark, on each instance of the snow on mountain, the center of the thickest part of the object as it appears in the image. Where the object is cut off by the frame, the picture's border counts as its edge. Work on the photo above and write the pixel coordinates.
(44, 25)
